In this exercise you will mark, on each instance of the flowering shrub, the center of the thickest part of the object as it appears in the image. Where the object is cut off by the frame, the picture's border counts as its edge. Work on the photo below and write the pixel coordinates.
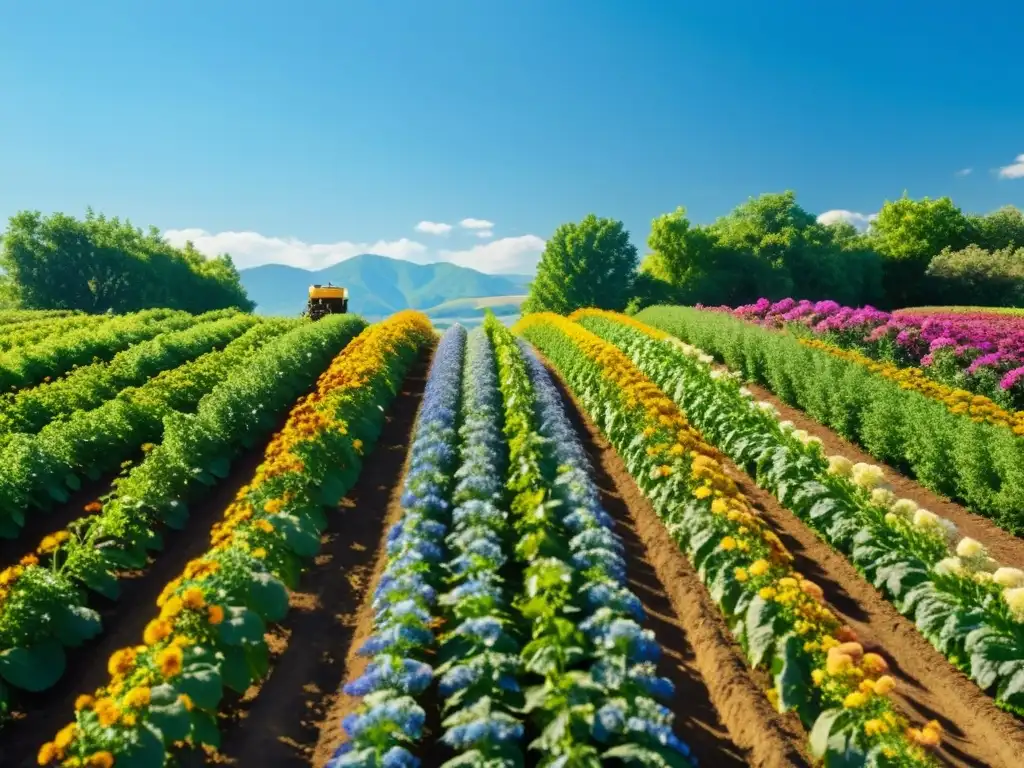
(963, 602)
(405, 603)
(43, 600)
(979, 464)
(979, 351)
(209, 632)
(819, 670)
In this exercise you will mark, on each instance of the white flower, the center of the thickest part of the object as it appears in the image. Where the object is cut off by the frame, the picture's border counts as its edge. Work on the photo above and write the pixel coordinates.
(786, 426)
(867, 475)
(982, 577)
(766, 407)
(716, 374)
(925, 519)
(706, 359)
(891, 519)
(1009, 577)
(746, 392)
(905, 508)
(801, 435)
(949, 529)
(949, 566)
(970, 548)
(883, 497)
(839, 465)
(1014, 598)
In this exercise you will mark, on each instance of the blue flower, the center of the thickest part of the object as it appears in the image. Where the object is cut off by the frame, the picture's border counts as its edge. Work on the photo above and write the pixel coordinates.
(659, 732)
(457, 678)
(387, 638)
(476, 732)
(608, 721)
(405, 675)
(399, 757)
(485, 629)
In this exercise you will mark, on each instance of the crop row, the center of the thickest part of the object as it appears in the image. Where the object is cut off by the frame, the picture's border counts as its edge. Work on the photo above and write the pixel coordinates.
(979, 464)
(44, 600)
(28, 333)
(505, 544)
(963, 602)
(11, 318)
(819, 671)
(209, 632)
(38, 470)
(56, 355)
(29, 410)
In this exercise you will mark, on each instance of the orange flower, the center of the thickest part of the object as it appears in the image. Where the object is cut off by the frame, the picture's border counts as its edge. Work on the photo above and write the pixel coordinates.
(169, 660)
(100, 760)
(193, 598)
(156, 631)
(93, 507)
(215, 614)
(121, 662)
(83, 702)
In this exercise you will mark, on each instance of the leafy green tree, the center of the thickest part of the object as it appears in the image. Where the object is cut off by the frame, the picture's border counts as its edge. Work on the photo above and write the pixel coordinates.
(1000, 229)
(909, 234)
(978, 277)
(589, 264)
(100, 264)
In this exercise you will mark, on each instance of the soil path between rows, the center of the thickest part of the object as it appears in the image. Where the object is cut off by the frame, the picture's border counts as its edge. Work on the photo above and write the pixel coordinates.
(720, 708)
(293, 718)
(928, 687)
(41, 715)
(1002, 545)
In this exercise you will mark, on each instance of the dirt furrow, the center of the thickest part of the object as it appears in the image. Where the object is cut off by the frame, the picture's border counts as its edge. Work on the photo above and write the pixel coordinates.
(1003, 546)
(720, 708)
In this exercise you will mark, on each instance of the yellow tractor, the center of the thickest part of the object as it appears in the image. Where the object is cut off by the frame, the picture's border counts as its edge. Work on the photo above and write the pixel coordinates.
(326, 300)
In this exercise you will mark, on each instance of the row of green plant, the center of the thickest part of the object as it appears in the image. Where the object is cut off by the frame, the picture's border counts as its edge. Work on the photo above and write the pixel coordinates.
(44, 603)
(818, 669)
(209, 633)
(33, 331)
(963, 602)
(979, 464)
(9, 318)
(56, 355)
(39, 470)
(29, 410)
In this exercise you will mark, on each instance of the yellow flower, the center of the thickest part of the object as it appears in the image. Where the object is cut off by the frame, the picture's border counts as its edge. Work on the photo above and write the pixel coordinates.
(766, 593)
(728, 543)
(186, 701)
(100, 760)
(759, 568)
(171, 608)
(83, 702)
(215, 614)
(47, 753)
(107, 712)
(818, 676)
(121, 662)
(169, 660)
(874, 727)
(193, 598)
(358, 446)
(855, 700)
(156, 631)
(740, 574)
(65, 736)
(884, 685)
(259, 553)
(702, 492)
(137, 698)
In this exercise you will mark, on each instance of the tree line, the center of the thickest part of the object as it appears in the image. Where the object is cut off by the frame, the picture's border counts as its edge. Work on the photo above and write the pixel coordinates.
(915, 252)
(99, 264)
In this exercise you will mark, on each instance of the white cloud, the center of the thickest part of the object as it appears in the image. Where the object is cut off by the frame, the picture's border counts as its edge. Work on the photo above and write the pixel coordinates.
(1013, 171)
(433, 227)
(964, 172)
(509, 255)
(484, 234)
(859, 220)
(476, 224)
(250, 249)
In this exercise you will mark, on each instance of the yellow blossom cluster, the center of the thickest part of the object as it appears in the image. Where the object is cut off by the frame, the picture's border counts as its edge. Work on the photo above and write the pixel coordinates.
(959, 401)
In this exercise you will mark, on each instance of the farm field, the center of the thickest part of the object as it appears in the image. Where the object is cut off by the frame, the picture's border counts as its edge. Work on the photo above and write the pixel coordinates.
(581, 540)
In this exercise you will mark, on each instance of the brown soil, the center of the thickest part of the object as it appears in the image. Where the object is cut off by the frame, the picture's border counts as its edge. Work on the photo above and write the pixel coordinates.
(720, 708)
(928, 686)
(40, 715)
(1003, 546)
(294, 717)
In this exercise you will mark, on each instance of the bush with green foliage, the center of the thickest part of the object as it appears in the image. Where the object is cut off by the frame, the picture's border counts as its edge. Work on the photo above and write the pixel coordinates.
(99, 264)
(979, 277)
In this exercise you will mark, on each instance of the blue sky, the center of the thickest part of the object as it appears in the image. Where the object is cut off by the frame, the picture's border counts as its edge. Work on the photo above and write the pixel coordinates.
(305, 136)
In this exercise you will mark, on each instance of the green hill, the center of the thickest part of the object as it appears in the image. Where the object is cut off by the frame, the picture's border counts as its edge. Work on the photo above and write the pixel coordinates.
(473, 307)
(377, 285)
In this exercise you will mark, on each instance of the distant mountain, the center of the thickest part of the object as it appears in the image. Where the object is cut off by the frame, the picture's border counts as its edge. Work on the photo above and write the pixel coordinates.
(377, 285)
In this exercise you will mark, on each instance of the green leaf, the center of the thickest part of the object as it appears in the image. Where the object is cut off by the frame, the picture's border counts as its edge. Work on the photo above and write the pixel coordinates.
(828, 721)
(268, 597)
(235, 669)
(791, 671)
(33, 669)
(148, 752)
(74, 624)
(241, 627)
(220, 466)
(171, 719)
(204, 728)
(761, 620)
(203, 685)
(303, 541)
